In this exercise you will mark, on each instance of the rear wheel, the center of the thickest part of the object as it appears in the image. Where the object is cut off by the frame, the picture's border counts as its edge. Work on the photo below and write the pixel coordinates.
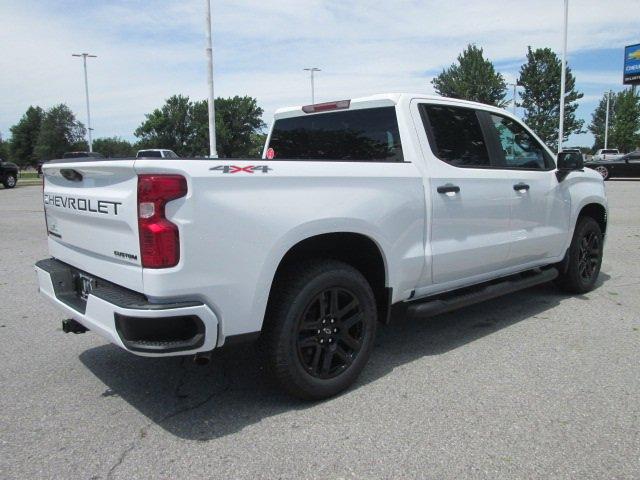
(320, 328)
(10, 180)
(585, 257)
(604, 171)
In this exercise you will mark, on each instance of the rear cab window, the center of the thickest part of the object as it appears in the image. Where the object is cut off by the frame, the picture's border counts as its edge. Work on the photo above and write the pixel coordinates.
(455, 135)
(359, 135)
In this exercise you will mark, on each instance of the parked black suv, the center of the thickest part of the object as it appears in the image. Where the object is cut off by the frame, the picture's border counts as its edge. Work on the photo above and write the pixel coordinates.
(8, 174)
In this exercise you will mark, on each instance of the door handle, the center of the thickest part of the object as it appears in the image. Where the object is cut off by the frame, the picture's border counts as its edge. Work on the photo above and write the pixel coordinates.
(448, 188)
(519, 187)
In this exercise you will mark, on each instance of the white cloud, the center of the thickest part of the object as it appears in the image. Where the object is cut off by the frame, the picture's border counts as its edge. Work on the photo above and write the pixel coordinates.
(150, 50)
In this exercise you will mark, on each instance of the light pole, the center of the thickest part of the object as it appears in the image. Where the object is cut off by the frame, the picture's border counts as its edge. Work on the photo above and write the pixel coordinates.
(213, 152)
(86, 91)
(563, 74)
(312, 70)
(606, 121)
(515, 93)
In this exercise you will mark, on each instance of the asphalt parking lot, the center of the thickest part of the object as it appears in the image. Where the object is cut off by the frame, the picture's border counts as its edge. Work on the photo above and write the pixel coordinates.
(534, 385)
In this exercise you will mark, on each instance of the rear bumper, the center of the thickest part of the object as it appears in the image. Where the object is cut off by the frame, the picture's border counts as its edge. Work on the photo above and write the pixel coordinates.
(126, 318)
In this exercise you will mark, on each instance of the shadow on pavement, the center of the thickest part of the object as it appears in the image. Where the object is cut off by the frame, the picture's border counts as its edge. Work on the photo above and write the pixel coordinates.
(233, 391)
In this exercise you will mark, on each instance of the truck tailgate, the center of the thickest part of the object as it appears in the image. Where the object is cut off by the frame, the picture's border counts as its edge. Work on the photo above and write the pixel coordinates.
(92, 218)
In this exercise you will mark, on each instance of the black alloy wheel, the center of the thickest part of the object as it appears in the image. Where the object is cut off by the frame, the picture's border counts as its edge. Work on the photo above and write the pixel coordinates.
(330, 333)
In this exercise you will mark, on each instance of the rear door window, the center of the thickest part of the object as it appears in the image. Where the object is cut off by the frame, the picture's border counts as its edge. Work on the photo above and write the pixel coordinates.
(455, 135)
(363, 135)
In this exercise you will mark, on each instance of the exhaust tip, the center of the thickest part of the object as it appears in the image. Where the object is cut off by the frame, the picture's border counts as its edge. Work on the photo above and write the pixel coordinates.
(202, 359)
(71, 326)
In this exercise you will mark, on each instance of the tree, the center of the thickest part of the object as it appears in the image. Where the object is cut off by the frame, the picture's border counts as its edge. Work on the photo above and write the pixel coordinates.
(240, 126)
(169, 127)
(183, 126)
(60, 132)
(4, 150)
(540, 77)
(474, 78)
(598, 120)
(24, 137)
(625, 130)
(113, 147)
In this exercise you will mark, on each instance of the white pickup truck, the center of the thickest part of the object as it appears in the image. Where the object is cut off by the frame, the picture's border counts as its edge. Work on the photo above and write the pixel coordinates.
(359, 211)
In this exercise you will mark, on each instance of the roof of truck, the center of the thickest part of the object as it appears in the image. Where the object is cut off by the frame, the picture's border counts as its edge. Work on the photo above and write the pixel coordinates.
(381, 100)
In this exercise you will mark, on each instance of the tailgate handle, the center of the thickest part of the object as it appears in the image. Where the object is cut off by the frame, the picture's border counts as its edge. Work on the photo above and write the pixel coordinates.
(71, 174)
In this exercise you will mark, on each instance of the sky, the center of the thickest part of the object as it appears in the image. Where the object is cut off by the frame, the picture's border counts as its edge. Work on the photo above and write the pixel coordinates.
(149, 50)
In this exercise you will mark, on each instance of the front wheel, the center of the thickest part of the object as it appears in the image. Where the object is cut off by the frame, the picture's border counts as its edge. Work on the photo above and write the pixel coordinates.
(10, 181)
(585, 257)
(320, 328)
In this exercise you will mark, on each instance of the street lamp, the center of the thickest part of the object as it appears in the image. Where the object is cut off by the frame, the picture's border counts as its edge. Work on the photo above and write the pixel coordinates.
(515, 94)
(606, 120)
(213, 152)
(312, 70)
(563, 74)
(86, 91)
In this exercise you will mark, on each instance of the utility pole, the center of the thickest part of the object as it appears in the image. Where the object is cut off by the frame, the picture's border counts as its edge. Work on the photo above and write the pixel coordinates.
(86, 91)
(213, 152)
(312, 70)
(606, 121)
(563, 74)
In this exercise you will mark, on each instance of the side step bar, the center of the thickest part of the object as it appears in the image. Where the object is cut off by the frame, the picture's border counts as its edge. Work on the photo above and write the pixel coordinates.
(468, 296)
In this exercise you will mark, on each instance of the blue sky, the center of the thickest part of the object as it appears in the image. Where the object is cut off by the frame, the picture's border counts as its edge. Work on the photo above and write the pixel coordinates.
(149, 50)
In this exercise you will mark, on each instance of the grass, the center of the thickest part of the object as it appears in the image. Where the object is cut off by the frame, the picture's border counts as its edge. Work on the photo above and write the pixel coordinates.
(28, 175)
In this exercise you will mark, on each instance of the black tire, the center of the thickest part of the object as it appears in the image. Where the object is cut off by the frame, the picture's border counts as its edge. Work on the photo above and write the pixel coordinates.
(10, 180)
(319, 310)
(604, 172)
(585, 258)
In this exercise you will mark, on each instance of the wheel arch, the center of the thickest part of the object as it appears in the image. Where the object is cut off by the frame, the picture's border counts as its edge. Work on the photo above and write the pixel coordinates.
(597, 211)
(356, 249)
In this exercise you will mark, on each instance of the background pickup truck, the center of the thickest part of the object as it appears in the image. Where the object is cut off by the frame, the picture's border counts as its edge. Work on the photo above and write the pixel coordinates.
(360, 211)
(605, 154)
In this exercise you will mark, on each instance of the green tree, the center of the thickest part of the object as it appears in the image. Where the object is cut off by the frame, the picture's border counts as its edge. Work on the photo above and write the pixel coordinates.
(24, 137)
(240, 120)
(4, 149)
(113, 147)
(169, 126)
(598, 119)
(473, 78)
(625, 130)
(60, 132)
(183, 126)
(540, 77)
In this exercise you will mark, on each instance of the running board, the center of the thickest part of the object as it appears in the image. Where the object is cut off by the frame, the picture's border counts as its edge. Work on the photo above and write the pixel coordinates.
(468, 296)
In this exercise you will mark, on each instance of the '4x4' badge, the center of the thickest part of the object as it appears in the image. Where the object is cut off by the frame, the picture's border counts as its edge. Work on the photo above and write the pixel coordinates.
(240, 169)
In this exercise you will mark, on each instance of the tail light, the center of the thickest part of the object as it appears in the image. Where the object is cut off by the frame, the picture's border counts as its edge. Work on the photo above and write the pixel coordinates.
(159, 238)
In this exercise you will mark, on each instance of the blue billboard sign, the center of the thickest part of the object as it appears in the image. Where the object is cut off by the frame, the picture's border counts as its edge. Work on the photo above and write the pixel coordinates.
(631, 74)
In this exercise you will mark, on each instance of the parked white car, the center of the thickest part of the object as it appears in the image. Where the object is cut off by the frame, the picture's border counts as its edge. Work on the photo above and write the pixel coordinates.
(360, 211)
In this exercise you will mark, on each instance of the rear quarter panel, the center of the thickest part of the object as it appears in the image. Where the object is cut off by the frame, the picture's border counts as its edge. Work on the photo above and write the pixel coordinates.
(236, 227)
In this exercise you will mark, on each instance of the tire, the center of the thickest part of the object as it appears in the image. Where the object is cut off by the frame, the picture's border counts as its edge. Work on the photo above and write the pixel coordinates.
(585, 258)
(320, 328)
(9, 181)
(604, 171)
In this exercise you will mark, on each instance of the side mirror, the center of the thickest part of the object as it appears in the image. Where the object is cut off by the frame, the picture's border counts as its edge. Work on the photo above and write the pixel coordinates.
(569, 161)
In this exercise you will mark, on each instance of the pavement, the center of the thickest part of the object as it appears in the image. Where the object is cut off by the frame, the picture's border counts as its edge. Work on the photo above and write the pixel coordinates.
(537, 384)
